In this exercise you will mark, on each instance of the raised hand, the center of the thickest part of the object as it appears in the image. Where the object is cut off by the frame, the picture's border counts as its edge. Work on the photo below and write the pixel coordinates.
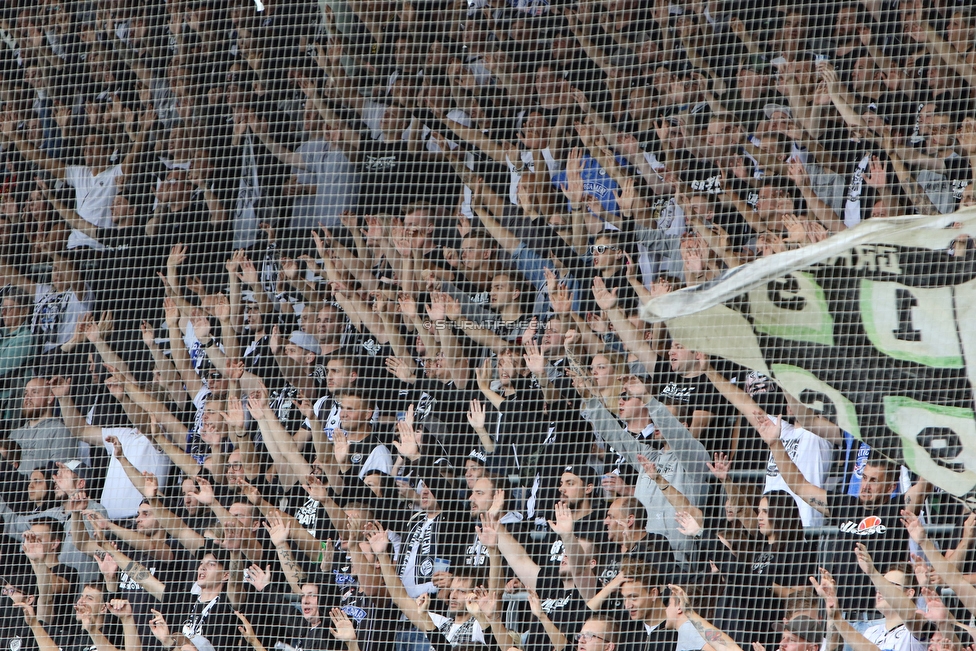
(316, 488)
(252, 493)
(340, 446)
(159, 627)
(476, 414)
(116, 446)
(60, 386)
(245, 629)
(204, 491)
(721, 466)
(379, 541)
(563, 525)
(399, 369)
(106, 564)
(410, 441)
(277, 527)
(177, 255)
(257, 577)
(28, 610)
(681, 597)
(650, 468)
(768, 430)
(826, 587)
(915, 528)
(487, 532)
(864, 560)
(486, 600)
(935, 608)
(234, 416)
(687, 525)
(535, 361)
(33, 546)
(607, 300)
(121, 608)
(342, 628)
(877, 176)
(535, 604)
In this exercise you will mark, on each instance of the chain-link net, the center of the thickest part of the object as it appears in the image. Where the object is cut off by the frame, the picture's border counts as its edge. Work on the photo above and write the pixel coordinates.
(404, 325)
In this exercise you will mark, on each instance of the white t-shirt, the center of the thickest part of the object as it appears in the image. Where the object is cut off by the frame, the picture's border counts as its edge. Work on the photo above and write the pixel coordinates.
(811, 454)
(897, 639)
(119, 497)
(689, 639)
(93, 200)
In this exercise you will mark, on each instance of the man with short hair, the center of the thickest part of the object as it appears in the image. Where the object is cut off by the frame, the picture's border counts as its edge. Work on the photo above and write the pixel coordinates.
(871, 518)
(641, 592)
(599, 633)
(71, 480)
(199, 604)
(356, 446)
(801, 633)
(42, 438)
(56, 582)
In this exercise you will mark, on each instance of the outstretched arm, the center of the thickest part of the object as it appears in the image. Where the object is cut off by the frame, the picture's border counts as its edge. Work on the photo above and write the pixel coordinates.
(947, 570)
(583, 575)
(137, 572)
(812, 495)
(893, 594)
(379, 543)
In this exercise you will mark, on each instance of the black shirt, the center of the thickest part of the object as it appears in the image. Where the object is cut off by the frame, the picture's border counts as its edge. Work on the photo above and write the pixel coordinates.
(74, 638)
(748, 609)
(700, 395)
(142, 602)
(214, 620)
(876, 527)
(564, 606)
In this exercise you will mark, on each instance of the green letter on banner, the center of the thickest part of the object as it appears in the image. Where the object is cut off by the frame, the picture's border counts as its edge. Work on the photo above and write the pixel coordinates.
(794, 308)
(938, 443)
(818, 396)
(913, 324)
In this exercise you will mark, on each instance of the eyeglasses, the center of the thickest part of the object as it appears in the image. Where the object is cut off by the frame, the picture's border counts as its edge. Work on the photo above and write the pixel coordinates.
(587, 636)
(603, 248)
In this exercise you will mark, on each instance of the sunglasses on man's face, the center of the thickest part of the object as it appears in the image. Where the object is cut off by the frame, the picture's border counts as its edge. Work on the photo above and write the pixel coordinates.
(603, 248)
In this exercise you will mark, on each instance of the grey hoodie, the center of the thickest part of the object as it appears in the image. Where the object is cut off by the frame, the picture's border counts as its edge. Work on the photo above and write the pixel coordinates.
(684, 466)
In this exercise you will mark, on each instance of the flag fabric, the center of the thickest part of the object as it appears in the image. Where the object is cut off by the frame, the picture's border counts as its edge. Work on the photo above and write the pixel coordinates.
(874, 328)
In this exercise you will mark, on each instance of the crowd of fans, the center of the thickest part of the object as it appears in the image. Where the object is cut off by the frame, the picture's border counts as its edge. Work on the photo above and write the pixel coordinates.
(320, 329)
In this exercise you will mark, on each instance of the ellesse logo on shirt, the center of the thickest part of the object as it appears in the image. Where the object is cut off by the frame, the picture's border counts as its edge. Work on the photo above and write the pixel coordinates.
(866, 527)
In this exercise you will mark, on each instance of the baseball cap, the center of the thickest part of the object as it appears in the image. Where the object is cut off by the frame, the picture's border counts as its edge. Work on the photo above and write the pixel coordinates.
(771, 108)
(304, 341)
(80, 468)
(583, 471)
(806, 628)
(479, 456)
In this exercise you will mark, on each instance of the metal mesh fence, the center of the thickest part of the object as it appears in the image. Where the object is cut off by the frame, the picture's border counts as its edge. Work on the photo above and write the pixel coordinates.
(413, 325)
